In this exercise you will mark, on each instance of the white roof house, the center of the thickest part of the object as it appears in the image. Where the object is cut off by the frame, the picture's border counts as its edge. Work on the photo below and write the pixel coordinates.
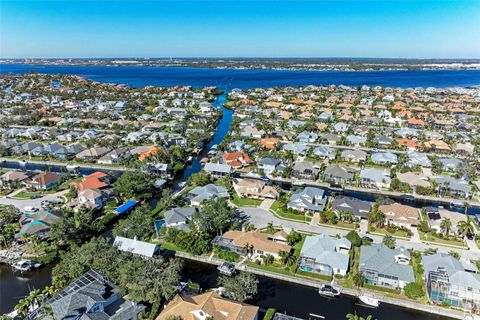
(135, 246)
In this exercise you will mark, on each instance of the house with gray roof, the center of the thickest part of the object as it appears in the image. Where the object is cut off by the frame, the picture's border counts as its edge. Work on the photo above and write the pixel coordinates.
(297, 148)
(325, 152)
(310, 199)
(356, 140)
(339, 174)
(354, 155)
(91, 297)
(211, 191)
(451, 281)
(217, 169)
(375, 178)
(340, 127)
(454, 187)
(270, 165)
(450, 164)
(305, 170)
(418, 159)
(358, 208)
(325, 255)
(385, 267)
(306, 137)
(179, 218)
(384, 158)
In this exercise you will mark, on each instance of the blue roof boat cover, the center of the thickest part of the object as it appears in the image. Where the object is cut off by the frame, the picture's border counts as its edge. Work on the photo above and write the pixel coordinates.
(126, 207)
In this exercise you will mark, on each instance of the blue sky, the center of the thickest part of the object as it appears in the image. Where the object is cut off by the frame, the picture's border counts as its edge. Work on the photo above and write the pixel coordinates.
(402, 28)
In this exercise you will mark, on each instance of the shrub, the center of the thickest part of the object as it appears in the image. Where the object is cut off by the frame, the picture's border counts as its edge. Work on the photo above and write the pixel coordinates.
(414, 290)
(269, 314)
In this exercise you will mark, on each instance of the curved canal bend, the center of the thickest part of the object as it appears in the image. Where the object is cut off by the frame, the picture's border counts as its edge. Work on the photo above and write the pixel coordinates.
(294, 299)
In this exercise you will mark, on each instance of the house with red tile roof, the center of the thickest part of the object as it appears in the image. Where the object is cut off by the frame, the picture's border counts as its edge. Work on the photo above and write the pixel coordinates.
(44, 181)
(237, 159)
(96, 180)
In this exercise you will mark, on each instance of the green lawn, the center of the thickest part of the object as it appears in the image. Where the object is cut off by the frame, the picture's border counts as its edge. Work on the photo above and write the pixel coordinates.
(281, 213)
(383, 231)
(340, 225)
(433, 238)
(245, 202)
(314, 275)
(394, 292)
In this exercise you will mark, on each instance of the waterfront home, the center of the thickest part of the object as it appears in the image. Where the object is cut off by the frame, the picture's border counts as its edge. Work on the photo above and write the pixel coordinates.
(90, 198)
(450, 164)
(136, 246)
(253, 188)
(310, 199)
(93, 296)
(384, 158)
(179, 218)
(92, 153)
(353, 155)
(358, 208)
(270, 165)
(208, 192)
(450, 281)
(400, 215)
(305, 170)
(356, 140)
(217, 169)
(237, 159)
(385, 267)
(437, 146)
(253, 244)
(96, 180)
(12, 179)
(339, 174)
(307, 137)
(374, 178)
(465, 149)
(324, 152)
(115, 156)
(208, 305)
(414, 180)
(325, 255)
(454, 187)
(435, 216)
(43, 181)
(37, 223)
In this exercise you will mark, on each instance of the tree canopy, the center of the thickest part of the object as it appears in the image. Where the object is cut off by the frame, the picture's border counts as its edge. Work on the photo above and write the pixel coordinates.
(134, 184)
(139, 223)
(215, 217)
(241, 287)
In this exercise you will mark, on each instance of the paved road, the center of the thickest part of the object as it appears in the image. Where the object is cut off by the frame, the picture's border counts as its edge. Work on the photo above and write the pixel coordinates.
(36, 203)
(260, 218)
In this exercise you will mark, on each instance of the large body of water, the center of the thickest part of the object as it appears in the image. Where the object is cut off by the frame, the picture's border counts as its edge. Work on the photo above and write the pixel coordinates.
(293, 299)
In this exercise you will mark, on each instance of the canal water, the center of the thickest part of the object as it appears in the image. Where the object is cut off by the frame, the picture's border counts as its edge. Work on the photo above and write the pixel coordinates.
(293, 299)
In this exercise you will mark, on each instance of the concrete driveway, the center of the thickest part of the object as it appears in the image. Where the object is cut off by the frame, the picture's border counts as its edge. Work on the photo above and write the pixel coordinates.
(36, 203)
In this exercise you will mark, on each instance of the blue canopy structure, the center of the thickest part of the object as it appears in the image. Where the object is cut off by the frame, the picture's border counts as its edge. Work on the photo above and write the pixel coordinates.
(127, 206)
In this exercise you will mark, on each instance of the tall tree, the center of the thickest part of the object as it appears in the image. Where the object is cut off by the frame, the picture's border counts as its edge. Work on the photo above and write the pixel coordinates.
(241, 287)
(134, 184)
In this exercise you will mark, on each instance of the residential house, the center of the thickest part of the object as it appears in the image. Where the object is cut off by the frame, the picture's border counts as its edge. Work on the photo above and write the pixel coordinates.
(450, 164)
(254, 244)
(270, 165)
(400, 215)
(179, 218)
(413, 180)
(208, 305)
(305, 170)
(208, 192)
(253, 188)
(339, 174)
(115, 156)
(454, 187)
(92, 153)
(296, 148)
(325, 152)
(96, 180)
(354, 155)
(93, 296)
(12, 179)
(384, 158)
(358, 208)
(135, 246)
(325, 255)
(435, 216)
(375, 178)
(307, 137)
(385, 267)
(37, 223)
(310, 199)
(450, 281)
(269, 143)
(217, 169)
(418, 159)
(43, 181)
(330, 138)
(237, 159)
(91, 198)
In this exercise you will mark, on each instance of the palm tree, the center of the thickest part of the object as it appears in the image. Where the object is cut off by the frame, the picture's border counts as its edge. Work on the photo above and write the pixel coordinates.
(358, 279)
(287, 258)
(446, 225)
(354, 316)
(465, 227)
(248, 248)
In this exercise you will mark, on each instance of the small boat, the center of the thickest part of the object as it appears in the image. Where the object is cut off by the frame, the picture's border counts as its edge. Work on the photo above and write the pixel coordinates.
(180, 287)
(227, 269)
(369, 301)
(329, 291)
(298, 183)
(72, 167)
(26, 265)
